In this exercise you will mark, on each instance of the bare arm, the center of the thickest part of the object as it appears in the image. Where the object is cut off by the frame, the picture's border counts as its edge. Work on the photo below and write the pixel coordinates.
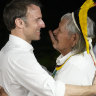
(72, 90)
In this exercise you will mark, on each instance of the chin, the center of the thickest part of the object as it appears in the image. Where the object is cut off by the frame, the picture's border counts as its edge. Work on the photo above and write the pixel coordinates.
(37, 39)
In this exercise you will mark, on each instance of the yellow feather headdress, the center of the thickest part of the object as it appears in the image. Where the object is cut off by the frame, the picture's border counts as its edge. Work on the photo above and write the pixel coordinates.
(83, 19)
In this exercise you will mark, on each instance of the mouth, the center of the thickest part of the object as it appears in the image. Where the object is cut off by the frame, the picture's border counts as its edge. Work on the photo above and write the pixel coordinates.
(38, 32)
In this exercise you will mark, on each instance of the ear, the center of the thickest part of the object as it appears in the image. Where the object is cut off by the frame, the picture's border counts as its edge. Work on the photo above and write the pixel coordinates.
(19, 23)
(74, 38)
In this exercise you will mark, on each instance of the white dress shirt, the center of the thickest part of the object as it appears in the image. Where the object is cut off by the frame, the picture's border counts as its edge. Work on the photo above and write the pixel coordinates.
(22, 75)
(78, 70)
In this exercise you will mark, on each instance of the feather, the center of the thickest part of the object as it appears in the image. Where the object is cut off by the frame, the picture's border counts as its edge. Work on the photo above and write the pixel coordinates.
(83, 19)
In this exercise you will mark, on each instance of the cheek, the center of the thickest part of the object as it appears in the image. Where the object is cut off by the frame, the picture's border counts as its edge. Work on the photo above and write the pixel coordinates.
(61, 42)
(64, 41)
(32, 30)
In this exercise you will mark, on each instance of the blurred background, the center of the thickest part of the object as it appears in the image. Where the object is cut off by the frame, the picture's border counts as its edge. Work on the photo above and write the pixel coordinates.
(52, 10)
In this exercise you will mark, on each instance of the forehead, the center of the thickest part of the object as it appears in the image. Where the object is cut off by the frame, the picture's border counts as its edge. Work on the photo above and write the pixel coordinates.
(33, 11)
(63, 22)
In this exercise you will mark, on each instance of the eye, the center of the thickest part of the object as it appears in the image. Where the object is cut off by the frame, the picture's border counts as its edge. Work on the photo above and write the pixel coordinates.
(38, 19)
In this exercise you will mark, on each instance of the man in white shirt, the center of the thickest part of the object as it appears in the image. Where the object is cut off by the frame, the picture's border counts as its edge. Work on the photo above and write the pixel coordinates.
(20, 72)
(74, 65)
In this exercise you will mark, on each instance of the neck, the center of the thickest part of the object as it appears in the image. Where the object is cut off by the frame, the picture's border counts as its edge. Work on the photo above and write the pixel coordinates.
(20, 35)
(64, 52)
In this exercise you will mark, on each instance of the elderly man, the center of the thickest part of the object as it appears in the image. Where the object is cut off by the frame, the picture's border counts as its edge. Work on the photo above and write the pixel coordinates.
(74, 65)
(73, 39)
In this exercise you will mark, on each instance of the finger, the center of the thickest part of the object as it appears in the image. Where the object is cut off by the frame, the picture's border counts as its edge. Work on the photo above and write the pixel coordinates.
(52, 37)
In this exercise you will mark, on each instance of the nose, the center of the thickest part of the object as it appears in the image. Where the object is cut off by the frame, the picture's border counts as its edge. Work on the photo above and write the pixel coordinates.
(42, 24)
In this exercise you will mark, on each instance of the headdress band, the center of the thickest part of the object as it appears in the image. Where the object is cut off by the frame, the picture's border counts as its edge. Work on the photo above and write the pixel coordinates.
(75, 21)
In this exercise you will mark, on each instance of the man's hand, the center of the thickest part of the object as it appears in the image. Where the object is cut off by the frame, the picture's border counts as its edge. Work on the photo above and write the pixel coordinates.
(54, 41)
(2, 92)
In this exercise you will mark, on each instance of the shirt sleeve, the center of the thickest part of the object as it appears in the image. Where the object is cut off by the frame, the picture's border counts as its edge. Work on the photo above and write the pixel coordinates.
(29, 74)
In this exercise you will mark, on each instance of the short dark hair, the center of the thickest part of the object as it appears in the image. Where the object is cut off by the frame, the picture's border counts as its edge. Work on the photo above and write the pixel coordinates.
(16, 9)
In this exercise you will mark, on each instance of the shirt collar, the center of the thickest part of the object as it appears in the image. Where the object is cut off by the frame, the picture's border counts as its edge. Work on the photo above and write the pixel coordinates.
(61, 59)
(20, 43)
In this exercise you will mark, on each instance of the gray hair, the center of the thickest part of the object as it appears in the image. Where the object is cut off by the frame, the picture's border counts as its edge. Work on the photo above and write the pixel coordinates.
(72, 29)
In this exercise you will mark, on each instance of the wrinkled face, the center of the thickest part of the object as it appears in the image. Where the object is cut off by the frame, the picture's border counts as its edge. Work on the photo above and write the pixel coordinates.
(63, 38)
(33, 23)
